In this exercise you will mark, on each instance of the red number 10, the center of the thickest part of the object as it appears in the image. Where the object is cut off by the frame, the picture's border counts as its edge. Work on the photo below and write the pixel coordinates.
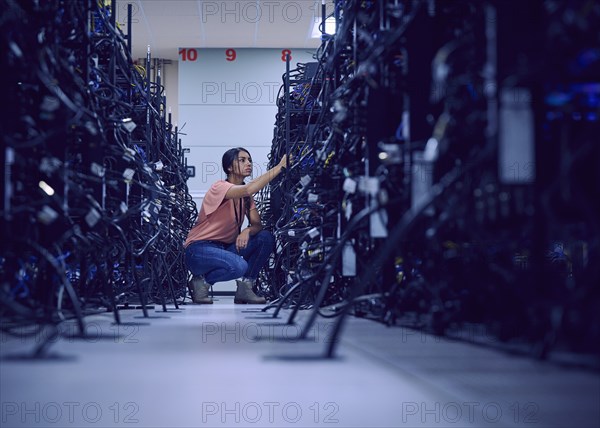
(188, 54)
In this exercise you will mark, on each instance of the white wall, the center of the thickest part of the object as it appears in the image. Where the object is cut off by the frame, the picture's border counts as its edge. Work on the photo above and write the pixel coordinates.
(228, 99)
(171, 82)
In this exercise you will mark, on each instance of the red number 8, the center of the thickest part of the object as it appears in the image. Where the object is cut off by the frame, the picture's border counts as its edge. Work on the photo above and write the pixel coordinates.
(285, 53)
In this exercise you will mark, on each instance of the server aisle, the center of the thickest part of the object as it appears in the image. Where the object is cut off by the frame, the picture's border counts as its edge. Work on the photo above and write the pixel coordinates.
(437, 235)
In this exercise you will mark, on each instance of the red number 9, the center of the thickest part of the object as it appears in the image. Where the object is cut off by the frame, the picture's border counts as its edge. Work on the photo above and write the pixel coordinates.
(285, 53)
(230, 54)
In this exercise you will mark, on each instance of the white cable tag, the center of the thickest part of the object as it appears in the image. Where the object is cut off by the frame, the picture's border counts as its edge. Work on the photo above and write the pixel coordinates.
(97, 169)
(349, 185)
(92, 217)
(47, 215)
(128, 174)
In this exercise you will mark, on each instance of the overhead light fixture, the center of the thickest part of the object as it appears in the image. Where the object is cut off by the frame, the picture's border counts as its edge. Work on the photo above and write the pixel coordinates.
(329, 27)
(46, 188)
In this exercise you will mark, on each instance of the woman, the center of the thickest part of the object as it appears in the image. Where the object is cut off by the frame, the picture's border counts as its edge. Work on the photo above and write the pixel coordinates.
(217, 249)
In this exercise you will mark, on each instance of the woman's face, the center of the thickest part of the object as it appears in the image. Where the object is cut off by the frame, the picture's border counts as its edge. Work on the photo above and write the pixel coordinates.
(242, 164)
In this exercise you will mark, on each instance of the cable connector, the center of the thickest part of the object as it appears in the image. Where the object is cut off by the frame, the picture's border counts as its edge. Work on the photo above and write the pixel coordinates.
(128, 174)
(47, 215)
(369, 185)
(97, 169)
(92, 217)
(349, 185)
(314, 232)
(304, 181)
(128, 124)
(129, 154)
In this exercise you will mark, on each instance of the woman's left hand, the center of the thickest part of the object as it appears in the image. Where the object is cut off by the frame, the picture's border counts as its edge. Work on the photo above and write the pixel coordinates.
(241, 241)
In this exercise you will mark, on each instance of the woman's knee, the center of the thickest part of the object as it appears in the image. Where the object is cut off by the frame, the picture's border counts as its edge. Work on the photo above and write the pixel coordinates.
(239, 268)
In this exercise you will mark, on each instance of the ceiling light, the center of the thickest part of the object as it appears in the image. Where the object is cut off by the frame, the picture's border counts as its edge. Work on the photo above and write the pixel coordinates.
(46, 188)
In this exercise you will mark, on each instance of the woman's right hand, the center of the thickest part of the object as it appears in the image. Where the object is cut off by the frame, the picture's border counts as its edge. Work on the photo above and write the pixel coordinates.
(285, 161)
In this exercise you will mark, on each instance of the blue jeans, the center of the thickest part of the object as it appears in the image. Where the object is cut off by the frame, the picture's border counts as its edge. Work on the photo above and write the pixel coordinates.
(222, 262)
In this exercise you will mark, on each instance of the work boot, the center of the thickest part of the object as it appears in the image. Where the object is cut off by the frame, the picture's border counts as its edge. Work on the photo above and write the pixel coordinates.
(200, 287)
(244, 293)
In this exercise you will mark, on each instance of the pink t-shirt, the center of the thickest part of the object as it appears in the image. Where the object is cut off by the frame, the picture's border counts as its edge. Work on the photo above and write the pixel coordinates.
(217, 220)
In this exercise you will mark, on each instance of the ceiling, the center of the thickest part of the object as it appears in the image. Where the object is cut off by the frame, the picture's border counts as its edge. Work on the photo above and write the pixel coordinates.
(167, 25)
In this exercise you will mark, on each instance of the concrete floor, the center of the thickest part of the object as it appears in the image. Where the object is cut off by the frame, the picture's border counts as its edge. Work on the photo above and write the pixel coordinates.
(225, 365)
